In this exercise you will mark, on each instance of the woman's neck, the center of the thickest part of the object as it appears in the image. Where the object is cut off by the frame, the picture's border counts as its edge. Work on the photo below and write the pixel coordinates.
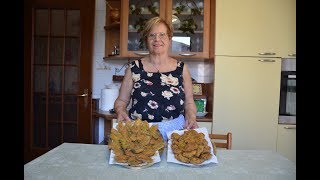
(158, 60)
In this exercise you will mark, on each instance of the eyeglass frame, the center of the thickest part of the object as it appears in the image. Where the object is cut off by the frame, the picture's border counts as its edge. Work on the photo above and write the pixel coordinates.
(161, 35)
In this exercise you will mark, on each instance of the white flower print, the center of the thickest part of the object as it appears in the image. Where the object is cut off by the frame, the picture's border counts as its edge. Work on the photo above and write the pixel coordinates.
(150, 116)
(149, 83)
(143, 94)
(181, 102)
(135, 77)
(164, 118)
(175, 90)
(135, 115)
(171, 108)
(149, 74)
(135, 101)
(137, 85)
(167, 94)
(153, 104)
(170, 80)
(182, 89)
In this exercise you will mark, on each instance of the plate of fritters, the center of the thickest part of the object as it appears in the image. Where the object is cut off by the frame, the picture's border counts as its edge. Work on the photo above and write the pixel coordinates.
(190, 147)
(135, 144)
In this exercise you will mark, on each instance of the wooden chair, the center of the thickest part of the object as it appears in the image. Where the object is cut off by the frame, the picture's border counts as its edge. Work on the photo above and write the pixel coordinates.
(221, 141)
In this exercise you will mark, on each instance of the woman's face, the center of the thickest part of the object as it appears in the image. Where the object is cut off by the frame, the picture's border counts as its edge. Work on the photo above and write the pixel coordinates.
(158, 40)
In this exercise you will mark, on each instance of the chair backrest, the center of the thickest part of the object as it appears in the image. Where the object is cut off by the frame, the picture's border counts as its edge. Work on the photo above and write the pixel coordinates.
(221, 140)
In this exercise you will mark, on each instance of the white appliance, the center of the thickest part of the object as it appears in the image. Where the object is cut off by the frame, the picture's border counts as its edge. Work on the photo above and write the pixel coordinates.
(246, 80)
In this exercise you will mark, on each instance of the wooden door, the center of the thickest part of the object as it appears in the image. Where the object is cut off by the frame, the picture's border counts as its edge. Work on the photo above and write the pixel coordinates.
(58, 43)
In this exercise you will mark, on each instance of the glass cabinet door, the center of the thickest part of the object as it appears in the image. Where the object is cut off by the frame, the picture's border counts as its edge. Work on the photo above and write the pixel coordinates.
(190, 20)
(135, 15)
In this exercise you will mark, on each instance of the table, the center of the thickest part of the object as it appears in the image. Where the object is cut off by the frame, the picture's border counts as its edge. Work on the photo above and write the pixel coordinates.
(90, 161)
(107, 117)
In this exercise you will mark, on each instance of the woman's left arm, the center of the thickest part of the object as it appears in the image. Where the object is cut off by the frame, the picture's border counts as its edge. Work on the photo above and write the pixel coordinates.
(189, 105)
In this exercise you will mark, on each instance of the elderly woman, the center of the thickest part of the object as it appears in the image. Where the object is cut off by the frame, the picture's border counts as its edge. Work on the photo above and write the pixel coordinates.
(159, 86)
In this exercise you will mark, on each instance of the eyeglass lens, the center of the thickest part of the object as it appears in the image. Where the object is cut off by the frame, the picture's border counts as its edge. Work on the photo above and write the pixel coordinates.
(160, 35)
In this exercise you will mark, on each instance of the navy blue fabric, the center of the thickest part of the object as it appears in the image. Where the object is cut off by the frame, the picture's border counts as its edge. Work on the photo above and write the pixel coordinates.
(156, 96)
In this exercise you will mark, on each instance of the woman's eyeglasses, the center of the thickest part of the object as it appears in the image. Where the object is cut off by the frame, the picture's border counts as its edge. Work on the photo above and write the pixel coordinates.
(161, 35)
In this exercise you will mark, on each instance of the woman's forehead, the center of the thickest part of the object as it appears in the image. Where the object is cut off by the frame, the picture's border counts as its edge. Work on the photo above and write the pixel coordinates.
(159, 28)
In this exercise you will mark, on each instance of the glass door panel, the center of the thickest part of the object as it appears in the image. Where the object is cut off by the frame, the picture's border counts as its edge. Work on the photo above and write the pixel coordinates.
(73, 23)
(139, 13)
(188, 23)
(57, 22)
(55, 76)
(135, 13)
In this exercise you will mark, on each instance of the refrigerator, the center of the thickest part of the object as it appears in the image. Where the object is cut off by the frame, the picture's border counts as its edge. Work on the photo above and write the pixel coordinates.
(247, 72)
(246, 100)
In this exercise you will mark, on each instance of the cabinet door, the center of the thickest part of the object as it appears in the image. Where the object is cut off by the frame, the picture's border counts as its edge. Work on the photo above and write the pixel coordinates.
(286, 143)
(190, 20)
(134, 14)
(188, 42)
(246, 100)
(249, 27)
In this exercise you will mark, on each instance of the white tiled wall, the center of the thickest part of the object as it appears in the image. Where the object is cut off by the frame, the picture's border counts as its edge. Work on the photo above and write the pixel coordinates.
(103, 71)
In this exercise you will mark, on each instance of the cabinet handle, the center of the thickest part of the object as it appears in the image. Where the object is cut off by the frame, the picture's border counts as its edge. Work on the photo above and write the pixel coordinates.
(186, 54)
(141, 53)
(266, 60)
(292, 55)
(289, 127)
(267, 53)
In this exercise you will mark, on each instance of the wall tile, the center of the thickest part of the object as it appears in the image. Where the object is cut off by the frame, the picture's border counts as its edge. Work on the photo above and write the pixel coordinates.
(99, 42)
(101, 5)
(100, 20)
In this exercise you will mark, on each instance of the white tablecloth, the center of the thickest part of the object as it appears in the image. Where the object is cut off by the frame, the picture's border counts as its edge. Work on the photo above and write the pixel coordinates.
(90, 161)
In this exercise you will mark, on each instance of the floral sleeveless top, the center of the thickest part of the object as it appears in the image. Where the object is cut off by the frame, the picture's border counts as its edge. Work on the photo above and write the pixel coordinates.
(156, 96)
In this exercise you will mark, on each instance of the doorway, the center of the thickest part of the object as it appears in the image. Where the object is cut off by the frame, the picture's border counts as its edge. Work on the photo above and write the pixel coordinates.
(58, 47)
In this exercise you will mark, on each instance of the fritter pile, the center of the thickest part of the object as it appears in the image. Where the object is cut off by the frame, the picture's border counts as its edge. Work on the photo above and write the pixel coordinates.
(190, 147)
(135, 142)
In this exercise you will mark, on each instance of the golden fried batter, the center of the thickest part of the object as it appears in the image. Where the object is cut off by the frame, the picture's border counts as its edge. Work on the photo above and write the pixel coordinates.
(135, 142)
(190, 147)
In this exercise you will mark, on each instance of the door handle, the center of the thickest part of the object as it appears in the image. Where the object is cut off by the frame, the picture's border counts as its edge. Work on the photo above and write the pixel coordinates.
(85, 95)
(289, 127)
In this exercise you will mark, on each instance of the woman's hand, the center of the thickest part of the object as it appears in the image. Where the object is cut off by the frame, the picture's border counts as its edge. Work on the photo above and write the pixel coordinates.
(122, 116)
(191, 122)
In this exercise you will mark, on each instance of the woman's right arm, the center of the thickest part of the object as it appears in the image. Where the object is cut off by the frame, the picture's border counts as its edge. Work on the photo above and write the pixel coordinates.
(121, 103)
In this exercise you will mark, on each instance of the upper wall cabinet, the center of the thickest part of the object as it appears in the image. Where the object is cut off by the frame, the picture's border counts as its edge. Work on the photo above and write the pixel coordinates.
(249, 27)
(112, 28)
(190, 19)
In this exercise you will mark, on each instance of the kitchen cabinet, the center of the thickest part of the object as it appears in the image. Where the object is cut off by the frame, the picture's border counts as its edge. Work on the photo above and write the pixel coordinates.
(186, 45)
(286, 142)
(112, 30)
(249, 27)
(246, 100)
